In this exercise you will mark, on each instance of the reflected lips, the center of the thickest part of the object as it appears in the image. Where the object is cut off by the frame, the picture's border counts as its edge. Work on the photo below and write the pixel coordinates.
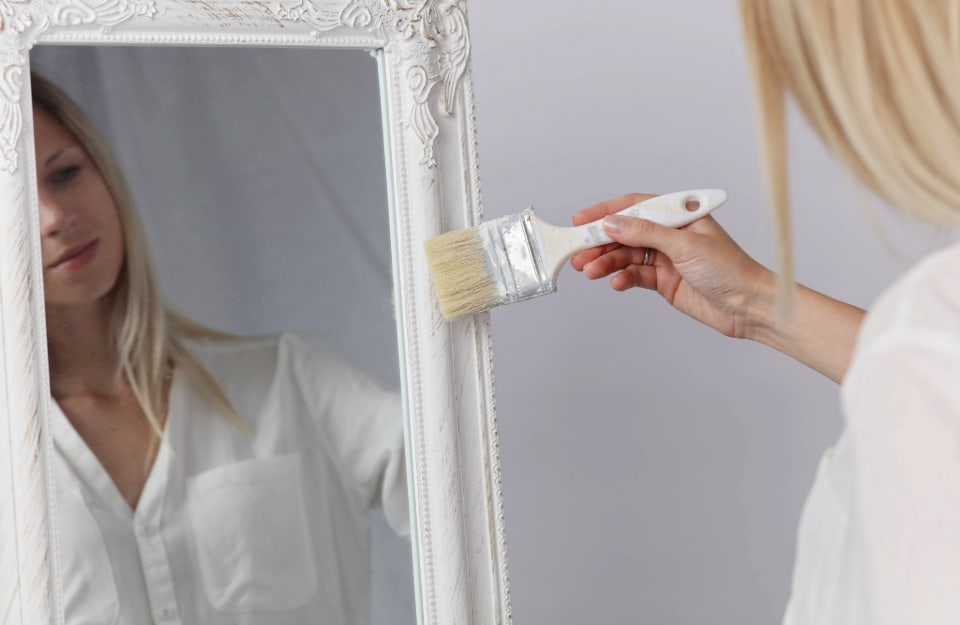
(76, 257)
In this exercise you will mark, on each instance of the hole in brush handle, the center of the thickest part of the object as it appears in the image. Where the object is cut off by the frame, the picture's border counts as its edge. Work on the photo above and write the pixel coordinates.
(678, 209)
(703, 201)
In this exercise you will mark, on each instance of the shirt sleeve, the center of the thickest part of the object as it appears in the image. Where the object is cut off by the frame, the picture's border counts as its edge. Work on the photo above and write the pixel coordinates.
(903, 413)
(360, 422)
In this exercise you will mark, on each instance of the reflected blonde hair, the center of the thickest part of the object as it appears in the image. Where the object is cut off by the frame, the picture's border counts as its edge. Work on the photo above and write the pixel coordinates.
(878, 81)
(149, 335)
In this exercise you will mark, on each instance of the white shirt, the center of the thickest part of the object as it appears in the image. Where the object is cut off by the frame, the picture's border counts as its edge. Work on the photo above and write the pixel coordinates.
(879, 538)
(268, 526)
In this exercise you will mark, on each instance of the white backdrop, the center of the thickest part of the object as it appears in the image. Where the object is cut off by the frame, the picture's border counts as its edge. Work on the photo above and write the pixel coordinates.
(653, 470)
(260, 178)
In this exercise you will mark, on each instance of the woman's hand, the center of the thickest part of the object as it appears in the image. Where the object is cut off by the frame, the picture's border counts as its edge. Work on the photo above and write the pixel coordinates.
(698, 269)
(702, 272)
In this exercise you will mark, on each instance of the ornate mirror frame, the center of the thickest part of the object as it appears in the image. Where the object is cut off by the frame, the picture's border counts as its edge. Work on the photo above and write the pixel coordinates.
(446, 369)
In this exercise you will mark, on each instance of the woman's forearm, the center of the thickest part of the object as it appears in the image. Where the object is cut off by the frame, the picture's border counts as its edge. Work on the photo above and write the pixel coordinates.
(820, 331)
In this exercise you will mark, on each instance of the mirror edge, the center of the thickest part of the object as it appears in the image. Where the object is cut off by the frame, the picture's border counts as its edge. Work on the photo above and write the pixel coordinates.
(459, 543)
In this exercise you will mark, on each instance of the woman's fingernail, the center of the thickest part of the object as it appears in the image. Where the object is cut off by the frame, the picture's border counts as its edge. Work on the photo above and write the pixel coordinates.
(613, 224)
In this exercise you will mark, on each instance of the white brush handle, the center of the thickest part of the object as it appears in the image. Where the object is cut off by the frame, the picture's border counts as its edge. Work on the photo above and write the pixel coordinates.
(669, 210)
(672, 210)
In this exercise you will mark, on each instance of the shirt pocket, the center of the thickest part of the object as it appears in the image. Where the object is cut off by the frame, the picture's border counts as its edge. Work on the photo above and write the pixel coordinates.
(251, 536)
(89, 587)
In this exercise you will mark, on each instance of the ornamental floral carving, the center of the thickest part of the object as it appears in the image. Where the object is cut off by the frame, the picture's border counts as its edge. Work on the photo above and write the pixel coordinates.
(105, 13)
(15, 15)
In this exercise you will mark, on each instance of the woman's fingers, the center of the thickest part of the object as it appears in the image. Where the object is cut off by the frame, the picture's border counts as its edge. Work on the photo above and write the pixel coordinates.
(616, 260)
(643, 276)
(633, 237)
(586, 256)
(641, 233)
(598, 211)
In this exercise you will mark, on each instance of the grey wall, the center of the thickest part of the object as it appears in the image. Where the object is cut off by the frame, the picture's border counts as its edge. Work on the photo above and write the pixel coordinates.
(653, 470)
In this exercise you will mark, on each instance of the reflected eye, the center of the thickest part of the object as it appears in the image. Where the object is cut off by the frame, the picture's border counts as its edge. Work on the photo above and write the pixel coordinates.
(65, 174)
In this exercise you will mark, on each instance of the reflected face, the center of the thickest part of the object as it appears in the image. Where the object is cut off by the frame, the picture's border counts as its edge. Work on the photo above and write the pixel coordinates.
(80, 234)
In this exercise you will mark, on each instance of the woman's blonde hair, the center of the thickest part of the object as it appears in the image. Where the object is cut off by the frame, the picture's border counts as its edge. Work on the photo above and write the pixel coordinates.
(879, 80)
(149, 336)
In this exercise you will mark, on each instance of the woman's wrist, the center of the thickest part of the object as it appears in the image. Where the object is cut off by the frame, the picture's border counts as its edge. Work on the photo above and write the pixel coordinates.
(759, 310)
(819, 331)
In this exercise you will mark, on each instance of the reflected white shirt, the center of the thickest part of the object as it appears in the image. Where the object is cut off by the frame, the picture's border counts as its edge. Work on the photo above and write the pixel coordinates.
(265, 526)
(879, 538)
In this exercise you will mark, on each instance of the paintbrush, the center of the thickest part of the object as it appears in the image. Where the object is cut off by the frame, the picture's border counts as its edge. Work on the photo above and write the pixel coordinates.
(518, 257)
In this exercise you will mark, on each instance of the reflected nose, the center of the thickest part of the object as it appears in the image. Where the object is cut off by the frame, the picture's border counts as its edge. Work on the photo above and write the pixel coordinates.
(55, 215)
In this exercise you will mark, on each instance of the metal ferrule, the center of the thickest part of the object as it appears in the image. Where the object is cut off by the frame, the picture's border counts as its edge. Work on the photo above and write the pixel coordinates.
(512, 245)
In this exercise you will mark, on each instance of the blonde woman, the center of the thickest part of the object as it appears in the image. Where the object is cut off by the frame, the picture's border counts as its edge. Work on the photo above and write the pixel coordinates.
(879, 539)
(201, 478)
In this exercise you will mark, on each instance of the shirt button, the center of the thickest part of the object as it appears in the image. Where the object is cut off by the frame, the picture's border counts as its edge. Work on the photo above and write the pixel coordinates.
(146, 530)
(167, 613)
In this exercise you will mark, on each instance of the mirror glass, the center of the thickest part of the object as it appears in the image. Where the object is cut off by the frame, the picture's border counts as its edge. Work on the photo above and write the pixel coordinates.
(227, 421)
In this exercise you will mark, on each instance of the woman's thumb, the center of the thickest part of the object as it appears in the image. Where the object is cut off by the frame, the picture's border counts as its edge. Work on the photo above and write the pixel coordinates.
(636, 232)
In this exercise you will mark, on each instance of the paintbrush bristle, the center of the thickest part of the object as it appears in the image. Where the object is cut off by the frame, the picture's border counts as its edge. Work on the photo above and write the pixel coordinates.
(461, 273)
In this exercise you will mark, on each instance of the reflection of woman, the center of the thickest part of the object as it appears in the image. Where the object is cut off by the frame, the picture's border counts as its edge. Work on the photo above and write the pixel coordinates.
(200, 478)
(879, 539)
